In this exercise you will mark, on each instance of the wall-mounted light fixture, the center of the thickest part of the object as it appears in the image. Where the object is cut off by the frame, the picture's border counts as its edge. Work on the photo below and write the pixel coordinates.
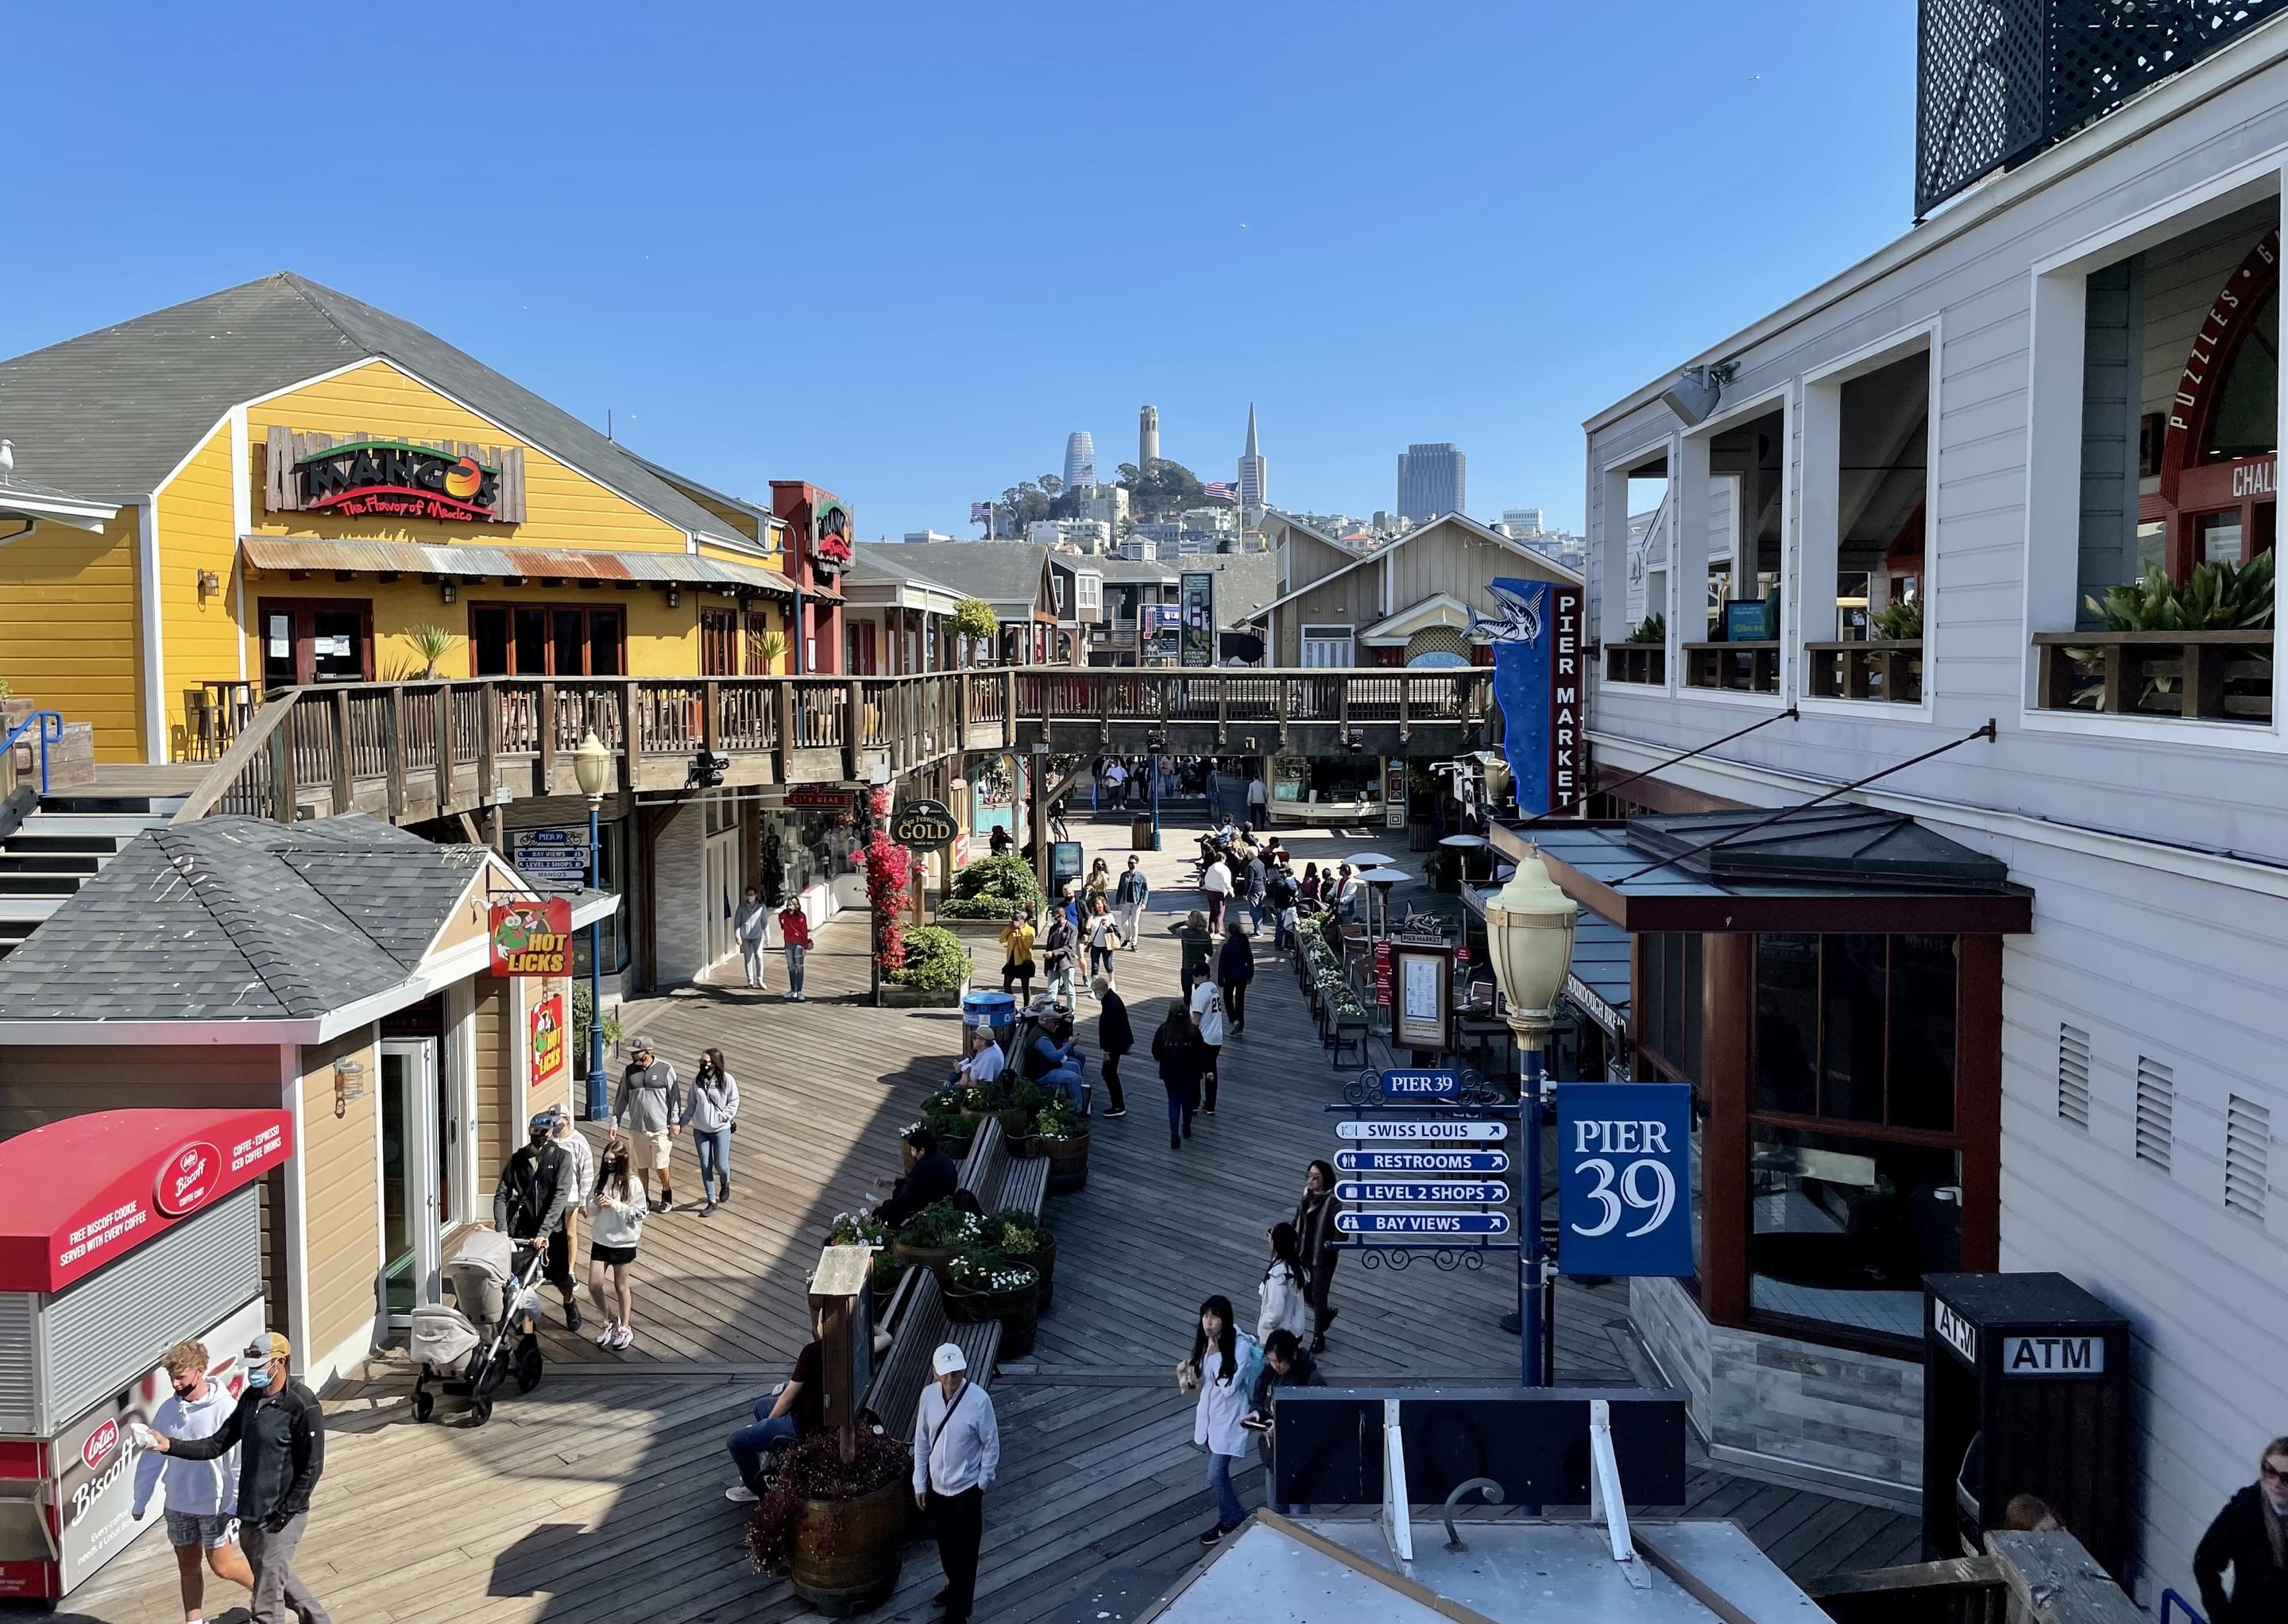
(1696, 391)
(674, 594)
(446, 588)
(348, 1085)
(209, 583)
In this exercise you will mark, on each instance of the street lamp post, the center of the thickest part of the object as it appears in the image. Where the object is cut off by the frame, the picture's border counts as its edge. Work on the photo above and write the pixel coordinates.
(591, 766)
(1529, 938)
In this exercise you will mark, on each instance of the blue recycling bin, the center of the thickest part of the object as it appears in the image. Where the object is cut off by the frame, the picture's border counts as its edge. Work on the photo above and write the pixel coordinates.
(997, 1010)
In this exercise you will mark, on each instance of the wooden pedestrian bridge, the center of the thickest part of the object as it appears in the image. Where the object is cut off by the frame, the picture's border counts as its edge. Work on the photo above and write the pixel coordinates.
(410, 752)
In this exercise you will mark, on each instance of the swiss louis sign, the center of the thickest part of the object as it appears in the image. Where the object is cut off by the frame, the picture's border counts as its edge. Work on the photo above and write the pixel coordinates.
(1423, 1132)
(1623, 1178)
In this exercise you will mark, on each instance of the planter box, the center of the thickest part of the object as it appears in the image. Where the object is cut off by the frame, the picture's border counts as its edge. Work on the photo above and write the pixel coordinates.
(896, 997)
(973, 930)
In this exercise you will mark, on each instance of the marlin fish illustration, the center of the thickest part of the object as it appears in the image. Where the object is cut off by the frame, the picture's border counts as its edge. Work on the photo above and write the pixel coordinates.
(1517, 617)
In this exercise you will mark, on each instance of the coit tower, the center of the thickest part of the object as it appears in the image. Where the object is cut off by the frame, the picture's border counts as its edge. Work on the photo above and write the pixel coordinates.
(1147, 437)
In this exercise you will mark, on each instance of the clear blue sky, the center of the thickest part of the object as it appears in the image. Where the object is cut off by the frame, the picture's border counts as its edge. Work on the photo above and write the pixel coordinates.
(902, 249)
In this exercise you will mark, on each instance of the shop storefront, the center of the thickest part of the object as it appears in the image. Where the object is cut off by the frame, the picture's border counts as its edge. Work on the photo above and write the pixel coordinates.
(810, 852)
(1346, 789)
(1831, 988)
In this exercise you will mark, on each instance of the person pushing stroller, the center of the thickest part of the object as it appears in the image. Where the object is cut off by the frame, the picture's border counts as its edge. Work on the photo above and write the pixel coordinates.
(528, 1207)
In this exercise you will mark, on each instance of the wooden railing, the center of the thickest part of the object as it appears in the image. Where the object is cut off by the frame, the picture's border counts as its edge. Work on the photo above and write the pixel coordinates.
(1637, 662)
(1891, 671)
(2207, 676)
(410, 751)
(1744, 667)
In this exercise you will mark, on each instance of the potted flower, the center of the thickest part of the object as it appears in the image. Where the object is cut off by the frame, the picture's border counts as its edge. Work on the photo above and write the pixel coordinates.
(1062, 1134)
(943, 1119)
(1023, 1239)
(981, 1284)
(1022, 1101)
(932, 1236)
(836, 1527)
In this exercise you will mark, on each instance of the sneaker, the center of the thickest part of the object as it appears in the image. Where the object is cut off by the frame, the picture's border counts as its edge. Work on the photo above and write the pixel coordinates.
(1117, 1111)
(604, 1337)
(1175, 1143)
(1214, 1534)
(667, 1204)
(740, 1495)
(1207, 1110)
(572, 1318)
(623, 1335)
(707, 1211)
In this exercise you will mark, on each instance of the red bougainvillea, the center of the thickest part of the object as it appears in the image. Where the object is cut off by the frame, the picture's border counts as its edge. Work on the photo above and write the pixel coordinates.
(888, 868)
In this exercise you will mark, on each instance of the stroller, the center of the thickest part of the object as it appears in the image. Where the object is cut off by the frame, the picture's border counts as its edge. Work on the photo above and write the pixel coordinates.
(463, 1347)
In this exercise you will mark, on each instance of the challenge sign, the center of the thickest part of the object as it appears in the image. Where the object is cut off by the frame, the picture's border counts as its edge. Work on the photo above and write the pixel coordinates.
(924, 825)
(1623, 1178)
(532, 938)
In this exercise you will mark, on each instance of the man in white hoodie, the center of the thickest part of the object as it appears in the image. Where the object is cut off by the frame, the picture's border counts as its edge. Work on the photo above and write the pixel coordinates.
(202, 1498)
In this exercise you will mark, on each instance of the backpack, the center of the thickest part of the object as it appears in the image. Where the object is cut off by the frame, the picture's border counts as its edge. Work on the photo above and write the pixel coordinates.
(533, 1179)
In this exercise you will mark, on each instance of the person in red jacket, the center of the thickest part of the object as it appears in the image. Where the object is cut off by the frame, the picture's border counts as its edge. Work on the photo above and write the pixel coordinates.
(794, 931)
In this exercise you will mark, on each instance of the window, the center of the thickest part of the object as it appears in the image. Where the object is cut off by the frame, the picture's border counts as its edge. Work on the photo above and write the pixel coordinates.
(1669, 1028)
(517, 640)
(2073, 1076)
(1326, 646)
(2247, 1156)
(719, 642)
(322, 640)
(2157, 1111)
(1845, 1228)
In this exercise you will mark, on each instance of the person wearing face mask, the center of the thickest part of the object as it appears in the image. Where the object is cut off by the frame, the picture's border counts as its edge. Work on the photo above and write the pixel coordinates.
(201, 1498)
(280, 1433)
(2249, 1536)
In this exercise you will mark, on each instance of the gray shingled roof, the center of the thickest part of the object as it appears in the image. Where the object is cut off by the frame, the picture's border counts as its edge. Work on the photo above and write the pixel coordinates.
(997, 571)
(1244, 581)
(112, 412)
(879, 562)
(237, 919)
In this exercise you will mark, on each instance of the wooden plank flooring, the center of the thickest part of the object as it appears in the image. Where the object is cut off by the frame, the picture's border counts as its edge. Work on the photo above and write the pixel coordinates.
(598, 1498)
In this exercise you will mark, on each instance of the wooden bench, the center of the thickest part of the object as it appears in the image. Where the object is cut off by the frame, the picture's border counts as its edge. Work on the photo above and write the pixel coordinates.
(918, 1324)
(1000, 1181)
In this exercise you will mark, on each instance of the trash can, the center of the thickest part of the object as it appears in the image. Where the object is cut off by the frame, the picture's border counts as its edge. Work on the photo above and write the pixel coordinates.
(125, 1232)
(997, 1010)
(1140, 834)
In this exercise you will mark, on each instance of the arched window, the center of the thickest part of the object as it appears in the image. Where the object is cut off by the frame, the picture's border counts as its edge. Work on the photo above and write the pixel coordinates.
(2245, 421)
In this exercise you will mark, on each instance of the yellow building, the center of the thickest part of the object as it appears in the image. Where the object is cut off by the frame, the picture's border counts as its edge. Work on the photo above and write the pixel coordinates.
(278, 484)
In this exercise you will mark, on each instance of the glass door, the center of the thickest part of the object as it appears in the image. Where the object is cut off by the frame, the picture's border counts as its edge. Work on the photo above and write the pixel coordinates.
(412, 1174)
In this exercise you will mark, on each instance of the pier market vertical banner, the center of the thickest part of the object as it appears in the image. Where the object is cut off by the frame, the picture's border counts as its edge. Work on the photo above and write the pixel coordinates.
(1536, 634)
(532, 938)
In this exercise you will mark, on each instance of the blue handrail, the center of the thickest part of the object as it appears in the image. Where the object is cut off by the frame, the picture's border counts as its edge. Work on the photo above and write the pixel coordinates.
(50, 724)
(2171, 1599)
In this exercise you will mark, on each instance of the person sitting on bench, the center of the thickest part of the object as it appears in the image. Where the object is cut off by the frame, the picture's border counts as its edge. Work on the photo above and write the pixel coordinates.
(934, 1176)
(1052, 1059)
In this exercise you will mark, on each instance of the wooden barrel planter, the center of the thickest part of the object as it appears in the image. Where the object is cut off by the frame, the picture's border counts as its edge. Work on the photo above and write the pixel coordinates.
(956, 1147)
(1067, 1163)
(1044, 1262)
(933, 1258)
(1018, 1309)
(847, 1552)
(1017, 1128)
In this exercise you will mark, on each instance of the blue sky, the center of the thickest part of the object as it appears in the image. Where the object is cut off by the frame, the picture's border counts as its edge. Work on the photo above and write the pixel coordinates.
(903, 250)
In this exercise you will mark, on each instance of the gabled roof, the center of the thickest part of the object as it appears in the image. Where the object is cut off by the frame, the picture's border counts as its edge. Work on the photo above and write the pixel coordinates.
(1315, 534)
(238, 918)
(1000, 572)
(114, 412)
(879, 562)
(758, 510)
(1470, 525)
(1440, 609)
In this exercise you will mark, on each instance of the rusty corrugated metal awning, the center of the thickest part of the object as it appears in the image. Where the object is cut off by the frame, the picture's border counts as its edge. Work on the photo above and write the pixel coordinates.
(287, 552)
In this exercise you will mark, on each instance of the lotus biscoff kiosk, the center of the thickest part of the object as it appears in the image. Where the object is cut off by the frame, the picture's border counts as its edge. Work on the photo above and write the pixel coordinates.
(2025, 1391)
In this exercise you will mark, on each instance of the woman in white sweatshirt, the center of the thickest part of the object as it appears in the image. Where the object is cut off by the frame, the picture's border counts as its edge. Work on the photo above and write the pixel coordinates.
(1222, 1369)
(1286, 1301)
(615, 1224)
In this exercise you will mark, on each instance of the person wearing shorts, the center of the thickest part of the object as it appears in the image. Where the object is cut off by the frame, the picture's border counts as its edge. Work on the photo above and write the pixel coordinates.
(646, 1114)
(202, 1496)
(616, 1218)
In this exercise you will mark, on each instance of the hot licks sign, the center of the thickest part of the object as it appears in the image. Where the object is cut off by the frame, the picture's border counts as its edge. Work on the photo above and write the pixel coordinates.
(532, 938)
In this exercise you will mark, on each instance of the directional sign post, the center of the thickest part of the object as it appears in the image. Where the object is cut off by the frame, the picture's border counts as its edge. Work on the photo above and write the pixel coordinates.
(1456, 1225)
(1422, 1161)
(1420, 1088)
(1404, 1131)
(1463, 1192)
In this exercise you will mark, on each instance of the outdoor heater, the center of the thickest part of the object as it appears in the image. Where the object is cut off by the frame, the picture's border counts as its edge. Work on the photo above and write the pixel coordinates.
(1529, 938)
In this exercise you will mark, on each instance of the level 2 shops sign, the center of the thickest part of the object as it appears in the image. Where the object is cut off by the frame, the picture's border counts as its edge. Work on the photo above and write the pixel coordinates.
(532, 938)
(365, 478)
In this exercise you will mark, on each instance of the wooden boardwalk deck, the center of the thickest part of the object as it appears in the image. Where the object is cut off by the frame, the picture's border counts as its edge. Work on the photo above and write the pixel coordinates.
(599, 1497)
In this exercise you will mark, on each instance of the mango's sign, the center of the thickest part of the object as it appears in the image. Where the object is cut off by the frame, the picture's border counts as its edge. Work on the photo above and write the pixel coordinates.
(532, 938)
(365, 477)
(925, 825)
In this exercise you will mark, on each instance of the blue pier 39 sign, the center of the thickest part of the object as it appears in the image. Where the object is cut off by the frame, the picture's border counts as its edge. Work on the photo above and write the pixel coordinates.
(1623, 1178)
(1422, 1086)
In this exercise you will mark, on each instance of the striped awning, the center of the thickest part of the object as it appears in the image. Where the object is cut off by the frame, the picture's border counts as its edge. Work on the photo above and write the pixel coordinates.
(289, 552)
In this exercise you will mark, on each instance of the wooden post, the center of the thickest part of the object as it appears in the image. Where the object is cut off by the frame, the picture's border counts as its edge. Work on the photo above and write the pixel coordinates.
(784, 773)
(1037, 770)
(1405, 721)
(2115, 696)
(444, 702)
(489, 751)
(1009, 708)
(394, 754)
(710, 715)
(2201, 693)
(341, 718)
(630, 739)
(854, 730)
(841, 1312)
(1727, 1016)
(544, 724)
(1223, 715)
(281, 748)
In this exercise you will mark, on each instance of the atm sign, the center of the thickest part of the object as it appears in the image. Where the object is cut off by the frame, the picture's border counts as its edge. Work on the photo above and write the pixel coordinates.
(2053, 1356)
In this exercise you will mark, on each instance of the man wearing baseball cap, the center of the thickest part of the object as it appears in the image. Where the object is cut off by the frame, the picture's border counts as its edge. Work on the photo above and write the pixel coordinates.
(280, 1434)
(957, 1451)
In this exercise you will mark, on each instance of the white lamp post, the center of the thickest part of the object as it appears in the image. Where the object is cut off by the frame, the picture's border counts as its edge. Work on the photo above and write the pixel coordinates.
(592, 768)
(1529, 936)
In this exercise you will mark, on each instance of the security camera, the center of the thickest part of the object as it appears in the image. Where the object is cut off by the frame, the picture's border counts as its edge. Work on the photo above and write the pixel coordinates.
(706, 770)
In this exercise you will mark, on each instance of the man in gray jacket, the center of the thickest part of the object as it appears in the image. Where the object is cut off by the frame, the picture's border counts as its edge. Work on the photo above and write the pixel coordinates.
(646, 1112)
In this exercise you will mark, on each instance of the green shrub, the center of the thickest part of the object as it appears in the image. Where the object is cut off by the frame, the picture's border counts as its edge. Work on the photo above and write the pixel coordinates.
(936, 961)
(1901, 622)
(941, 1223)
(993, 888)
(1651, 629)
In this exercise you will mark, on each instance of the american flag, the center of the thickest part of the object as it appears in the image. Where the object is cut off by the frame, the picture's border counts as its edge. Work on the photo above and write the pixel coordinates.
(1219, 491)
(980, 512)
(1086, 474)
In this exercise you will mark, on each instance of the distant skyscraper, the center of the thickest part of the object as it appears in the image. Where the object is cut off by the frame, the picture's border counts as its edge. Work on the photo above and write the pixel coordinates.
(1147, 438)
(1080, 458)
(1430, 480)
(1524, 521)
(1254, 471)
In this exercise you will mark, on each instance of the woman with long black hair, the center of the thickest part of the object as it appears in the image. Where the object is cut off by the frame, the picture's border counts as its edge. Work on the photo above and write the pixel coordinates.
(1176, 1046)
(1314, 1230)
(1285, 1303)
(1222, 1368)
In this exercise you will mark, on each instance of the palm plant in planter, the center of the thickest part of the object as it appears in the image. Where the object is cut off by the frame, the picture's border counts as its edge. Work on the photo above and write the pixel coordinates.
(1060, 1134)
(835, 1526)
(981, 1284)
(934, 1234)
